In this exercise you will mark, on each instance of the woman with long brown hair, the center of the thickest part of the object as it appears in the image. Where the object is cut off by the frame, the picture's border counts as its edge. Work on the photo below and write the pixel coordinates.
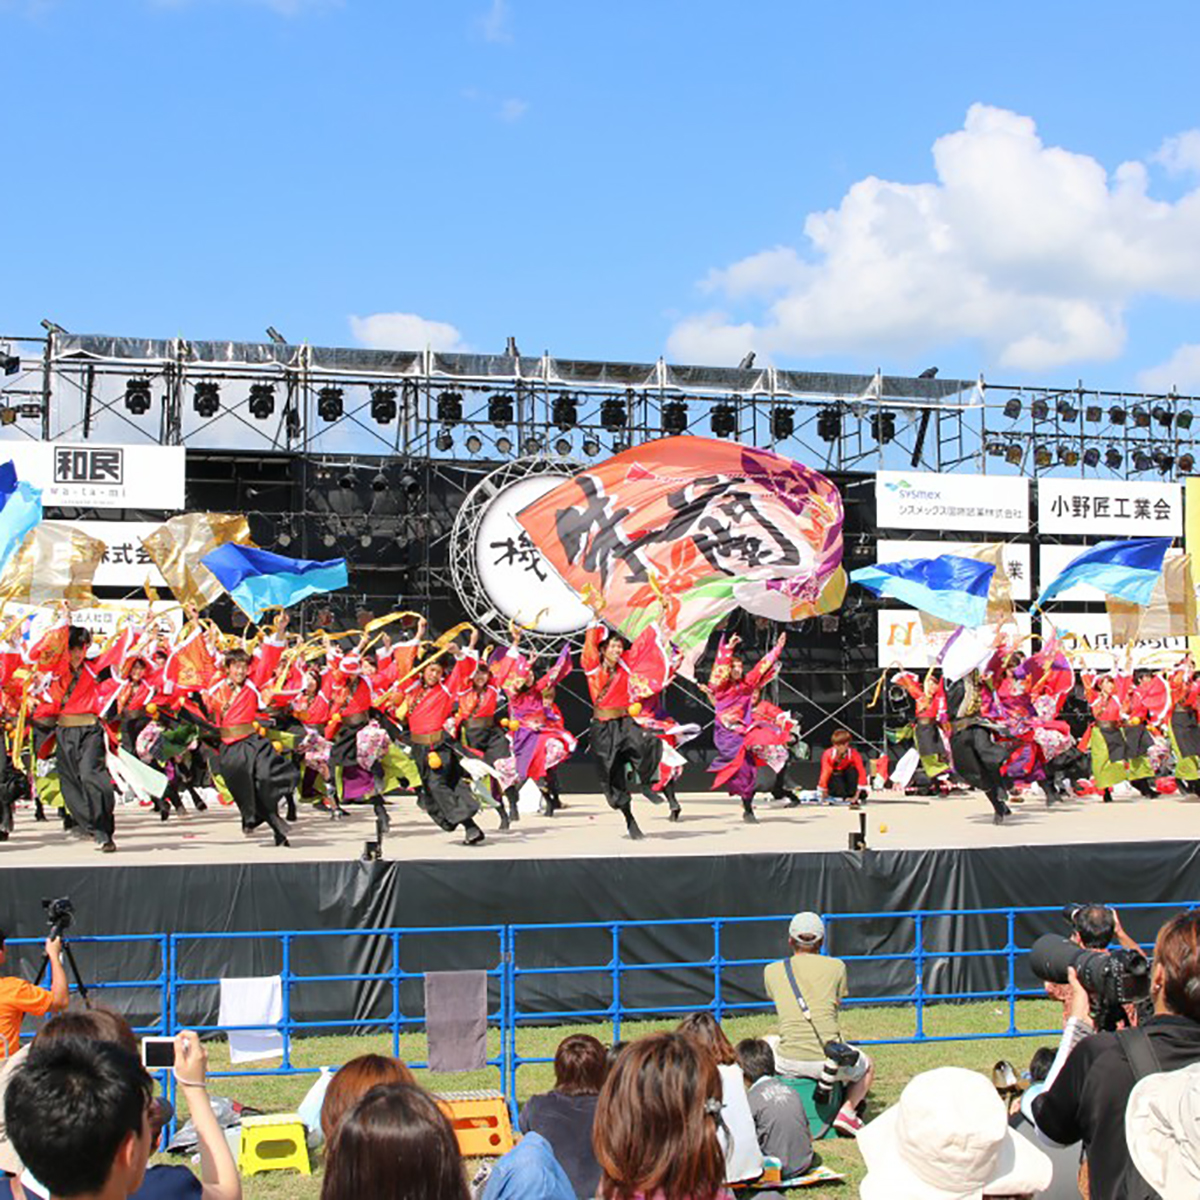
(656, 1123)
(352, 1082)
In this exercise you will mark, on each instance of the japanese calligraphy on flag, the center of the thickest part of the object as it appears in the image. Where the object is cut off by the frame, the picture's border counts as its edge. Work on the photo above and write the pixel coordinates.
(690, 529)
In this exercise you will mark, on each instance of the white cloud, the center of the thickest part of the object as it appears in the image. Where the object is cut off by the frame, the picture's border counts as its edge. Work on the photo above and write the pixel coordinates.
(405, 331)
(494, 24)
(1032, 252)
(1181, 370)
(513, 109)
(1180, 154)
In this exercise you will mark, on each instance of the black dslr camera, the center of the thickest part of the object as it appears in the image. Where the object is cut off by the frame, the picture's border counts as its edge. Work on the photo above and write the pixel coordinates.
(837, 1055)
(1112, 980)
(60, 913)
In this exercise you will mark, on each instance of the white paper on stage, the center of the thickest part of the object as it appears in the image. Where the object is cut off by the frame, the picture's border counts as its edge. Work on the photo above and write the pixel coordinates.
(906, 768)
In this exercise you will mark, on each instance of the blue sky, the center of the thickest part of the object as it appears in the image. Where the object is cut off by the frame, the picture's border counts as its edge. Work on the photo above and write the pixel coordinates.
(1012, 189)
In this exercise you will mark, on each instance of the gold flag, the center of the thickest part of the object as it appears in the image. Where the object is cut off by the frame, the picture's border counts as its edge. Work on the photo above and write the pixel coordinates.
(178, 546)
(1170, 613)
(1000, 601)
(56, 561)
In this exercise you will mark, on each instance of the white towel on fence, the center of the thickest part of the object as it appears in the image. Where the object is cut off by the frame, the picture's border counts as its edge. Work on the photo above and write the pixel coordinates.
(248, 1002)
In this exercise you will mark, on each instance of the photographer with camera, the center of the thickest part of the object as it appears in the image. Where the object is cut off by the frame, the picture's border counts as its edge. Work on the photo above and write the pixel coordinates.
(1096, 927)
(1093, 1075)
(18, 996)
(807, 989)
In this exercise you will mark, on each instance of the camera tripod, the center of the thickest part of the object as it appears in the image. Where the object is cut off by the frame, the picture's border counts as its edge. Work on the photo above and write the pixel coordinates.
(69, 955)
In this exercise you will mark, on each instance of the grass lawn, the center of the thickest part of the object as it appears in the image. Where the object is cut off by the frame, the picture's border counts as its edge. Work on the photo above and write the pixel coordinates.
(895, 1065)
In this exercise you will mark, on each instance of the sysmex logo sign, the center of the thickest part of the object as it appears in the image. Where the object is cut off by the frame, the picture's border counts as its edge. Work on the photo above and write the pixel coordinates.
(909, 492)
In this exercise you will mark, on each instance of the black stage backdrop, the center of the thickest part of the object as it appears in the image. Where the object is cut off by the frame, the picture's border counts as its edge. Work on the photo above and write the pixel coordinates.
(366, 896)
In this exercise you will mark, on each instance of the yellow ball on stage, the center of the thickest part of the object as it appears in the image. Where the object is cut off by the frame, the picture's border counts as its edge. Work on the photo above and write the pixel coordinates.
(883, 829)
(435, 760)
(635, 708)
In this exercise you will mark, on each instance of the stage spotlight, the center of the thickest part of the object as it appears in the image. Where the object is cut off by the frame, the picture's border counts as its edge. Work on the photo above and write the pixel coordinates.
(383, 405)
(1041, 456)
(1040, 410)
(1142, 461)
(783, 423)
(10, 364)
(1183, 419)
(674, 417)
(503, 446)
(1013, 454)
(1186, 464)
(500, 410)
(262, 401)
(1116, 415)
(329, 404)
(8, 415)
(1066, 410)
(591, 447)
(1091, 457)
(564, 412)
(329, 540)
(379, 483)
(206, 399)
(562, 447)
(996, 449)
(510, 347)
(346, 481)
(276, 336)
(1068, 456)
(445, 440)
(1113, 458)
(1141, 418)
(137, 396)
(883, 426)
(620, 445)
(410, 483)
(1163, 460)
(829, 424)
(450, 408)
(1012, 408)
(1163, 415)
(285, 538)
(364, 540)
(614, 414)
(533, 444)
(723, 420)
(474, 443)
(1093, 414)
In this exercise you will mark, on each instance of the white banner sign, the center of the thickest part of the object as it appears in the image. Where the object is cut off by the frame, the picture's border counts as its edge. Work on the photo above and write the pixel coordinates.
(975, 503)
(125, 564)
(1016, 558)
(1053, 559)
(1088, 639)
(101, 621)
(87, 474)
(902, 642)
(1102, 508)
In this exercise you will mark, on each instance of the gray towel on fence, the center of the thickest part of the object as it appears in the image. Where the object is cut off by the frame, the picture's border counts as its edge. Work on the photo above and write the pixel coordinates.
(456, 1012)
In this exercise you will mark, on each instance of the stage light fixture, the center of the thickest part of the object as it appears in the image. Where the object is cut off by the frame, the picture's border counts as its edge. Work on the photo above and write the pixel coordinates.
(723, 420)
(1186, 464)
(364, 540)
(620, 445)
(1012, 409)
(1183, 419)
(1141, 418)
(1040, 410)
(1042, 457)
(564, 411)
(883, 426)
(562, 447)
(410, 484)
(383, 405)
(330, 405)
(533, 444)
(1113, 458)
(1093, 414)
(262, 401)
(996, 449)
(1163, 460)
(346, 481)
(503, 446)
(329, 540)
(1116, 415)
(1091, 457)
(450, 408)
(1068, 456)
(10, 364)
(206, 399)
(137, 396)
(474, 443)
(1163, 415)
(285, 538)
(1142, 461)
(1066, 410)
(829, 424)
(783, 423)
(1013, 454)
(674, 417)
(591, 447)
(8, 415)
(445, 440)
(500, 410)
(379, 483)
(614, 414)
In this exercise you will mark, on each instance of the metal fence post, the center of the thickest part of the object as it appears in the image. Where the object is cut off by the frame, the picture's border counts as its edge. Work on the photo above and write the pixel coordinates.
(1011, 947)
(286, 1020)
(395, 993)
(919, 965)
(718, 963)
(616, 980)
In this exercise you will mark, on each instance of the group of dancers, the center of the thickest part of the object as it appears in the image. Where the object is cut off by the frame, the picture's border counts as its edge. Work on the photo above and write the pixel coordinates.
(1007, 724)
(279, 721)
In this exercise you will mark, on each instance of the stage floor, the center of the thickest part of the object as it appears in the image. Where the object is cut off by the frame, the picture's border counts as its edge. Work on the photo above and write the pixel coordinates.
(587, 828)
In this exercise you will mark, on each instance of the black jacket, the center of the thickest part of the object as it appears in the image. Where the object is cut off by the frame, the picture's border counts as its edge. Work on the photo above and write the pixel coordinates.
(1087, 1101)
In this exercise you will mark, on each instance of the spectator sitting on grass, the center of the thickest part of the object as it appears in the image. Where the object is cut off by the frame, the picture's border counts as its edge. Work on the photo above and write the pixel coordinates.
(566, 1115)
(657, 1121)
(352, 1081)
(1064, 1159)
(778, 1111)
(395, 1144)
(739, 1141)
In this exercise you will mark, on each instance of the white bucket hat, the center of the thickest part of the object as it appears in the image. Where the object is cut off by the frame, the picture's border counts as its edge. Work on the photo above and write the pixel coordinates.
(1162, 1130)
(948, 1139)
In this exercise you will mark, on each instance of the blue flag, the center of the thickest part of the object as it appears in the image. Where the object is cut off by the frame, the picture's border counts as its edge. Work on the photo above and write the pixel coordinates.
(20, 511)
(258, 579)
(1127, 568)
(951, 588)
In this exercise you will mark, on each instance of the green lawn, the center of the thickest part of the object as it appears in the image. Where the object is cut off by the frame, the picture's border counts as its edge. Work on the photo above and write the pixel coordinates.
(895, 1065)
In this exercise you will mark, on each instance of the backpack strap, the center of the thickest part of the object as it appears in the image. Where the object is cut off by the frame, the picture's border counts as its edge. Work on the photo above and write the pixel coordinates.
(1139, 1053)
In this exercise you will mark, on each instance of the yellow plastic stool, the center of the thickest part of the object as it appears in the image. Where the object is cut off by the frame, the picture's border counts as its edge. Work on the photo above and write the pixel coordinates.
(273, 1143)
(480, 1121)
